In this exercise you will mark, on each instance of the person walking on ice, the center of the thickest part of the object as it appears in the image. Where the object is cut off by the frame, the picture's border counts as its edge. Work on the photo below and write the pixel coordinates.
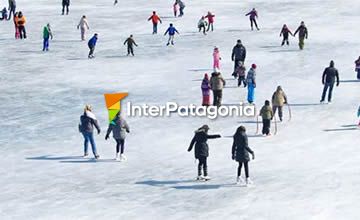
(240, 74)
(202, 25)
(205, 89)
(155, 20)
(12, 8)
(217, 84)
(119, 128)
(83, 25)
(238, 54)
(216, 59)
(130, 45)
(175, 9)
(251, 84)
(210, 18)
(171, 31)
(202, 150)
(303, 34)
(21, 21)
(267, 115)
(328, 80)
(87, 123)
(357, 67)
(279, 99)
(47, 34)
(91, 44)
(65, 5)
(4, 14)
(181, 7)
(285, 31)
(240, 153)
(253, 15)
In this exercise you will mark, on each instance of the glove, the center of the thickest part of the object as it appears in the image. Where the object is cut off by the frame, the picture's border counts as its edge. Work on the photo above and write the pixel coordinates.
(233, 157)
(337, 84)
(253, 156)
(106, 137)
(98, 131)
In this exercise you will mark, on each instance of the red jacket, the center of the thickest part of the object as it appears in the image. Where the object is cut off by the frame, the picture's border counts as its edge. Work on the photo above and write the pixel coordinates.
(210, 18)
(155, 19)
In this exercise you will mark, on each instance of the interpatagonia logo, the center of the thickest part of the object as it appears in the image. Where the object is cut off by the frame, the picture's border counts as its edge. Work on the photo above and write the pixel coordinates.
(113, 104)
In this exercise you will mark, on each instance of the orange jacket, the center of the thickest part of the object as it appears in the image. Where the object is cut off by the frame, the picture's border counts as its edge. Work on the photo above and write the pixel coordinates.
(21, 21)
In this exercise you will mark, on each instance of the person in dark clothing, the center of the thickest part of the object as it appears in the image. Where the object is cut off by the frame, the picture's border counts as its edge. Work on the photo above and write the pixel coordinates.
(202, 149)
(328, 80)
(87, 123)
(181, 7)
(119, 128)
(240, 72)
(357, 68)
(130, 45)
(267, 115)
(92, 44)
(4, 14)
(240, 152)
(303, 34)
(12, 8)
(238, 54)
(285, 31)
(65, 5)
(253, 15)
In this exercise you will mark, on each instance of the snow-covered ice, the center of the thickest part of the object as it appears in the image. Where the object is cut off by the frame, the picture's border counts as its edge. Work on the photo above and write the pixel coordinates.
(310, 170)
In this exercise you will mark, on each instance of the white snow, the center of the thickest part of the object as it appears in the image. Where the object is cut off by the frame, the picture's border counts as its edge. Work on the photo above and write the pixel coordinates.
(304, 172)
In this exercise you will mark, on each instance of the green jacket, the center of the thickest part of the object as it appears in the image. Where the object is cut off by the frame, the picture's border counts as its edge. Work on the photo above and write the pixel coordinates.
(47, 32)
(266, 112)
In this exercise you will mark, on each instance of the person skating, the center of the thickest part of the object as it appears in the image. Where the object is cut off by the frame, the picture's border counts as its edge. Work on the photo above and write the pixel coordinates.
(87, 123)
(205, 89)
(21, 21)
(175, 9)
(4, 14)
(357, 67)
(12, 8)
(65, 5)
(181, 7)
(119, 128)
(83, 25)
(130, 45)
(202, 150)
(238, 54)
(155, 19)
(202, 25)
(216, 59)
(240, 73)
(217, 84)
(211, 20)
(266, 114)
(285, 31)
(303, 34)
(328, 80)
(240, 153)
(16, 18)
(251, 83)
(92, 44)
(279, 99)
(171, 31)
(47, 34)
(115, 2)
(253, 15)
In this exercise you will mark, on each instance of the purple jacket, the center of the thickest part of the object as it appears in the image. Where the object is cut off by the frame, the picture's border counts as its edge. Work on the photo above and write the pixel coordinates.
(253, 14)
(205, 87)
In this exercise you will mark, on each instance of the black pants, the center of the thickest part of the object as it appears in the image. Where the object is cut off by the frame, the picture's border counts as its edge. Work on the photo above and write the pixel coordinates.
(217, 97)
(202, 166)
(327, 86)
(246, 167)
(285, 39)
(130, 50)
(253, 21)
(91, 52)
(280, 111)
(181, 11)
(120, 145)
(65, 6)
(266, 126)
(203, 28)
(11, 10)
(212, 27)
(241, 79)
(22, 32)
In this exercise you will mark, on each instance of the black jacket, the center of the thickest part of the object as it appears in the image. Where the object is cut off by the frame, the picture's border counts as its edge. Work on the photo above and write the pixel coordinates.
(201, 147)
(239, 53)
(330, 74)
(66, 2)
(87, 124)
(240, 148)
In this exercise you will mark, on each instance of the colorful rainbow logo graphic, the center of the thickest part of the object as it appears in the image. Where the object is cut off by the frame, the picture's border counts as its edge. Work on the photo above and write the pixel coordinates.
(113, 104)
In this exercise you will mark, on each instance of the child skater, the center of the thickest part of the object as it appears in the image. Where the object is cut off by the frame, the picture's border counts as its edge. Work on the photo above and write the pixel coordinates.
(217, 58)
(267, 114)
(205, 88)
(175, 9)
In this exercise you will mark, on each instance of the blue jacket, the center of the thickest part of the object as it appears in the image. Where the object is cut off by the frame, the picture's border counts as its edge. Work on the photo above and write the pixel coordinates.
(92, 41)
(171, 31)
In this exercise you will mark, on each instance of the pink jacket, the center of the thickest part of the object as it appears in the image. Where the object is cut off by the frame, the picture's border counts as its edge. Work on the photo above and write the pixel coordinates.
(216, 55)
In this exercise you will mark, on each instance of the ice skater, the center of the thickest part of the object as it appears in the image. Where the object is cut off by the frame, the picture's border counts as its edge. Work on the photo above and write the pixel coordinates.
(240, 153)
(303, 34)
(267, 115)
(216, 59)
(130, 45)
(83, 25)
(211, 20)
(202, 150)
(87, 123)
(251, 84)
(4, 14)
(253, 15)
(12, 8)
(217, 84)
(65, 5)
(155, 19)
(279, 99)
(175, 9)
(171, 31)
(21, 21)
(119, 128)
(285, 31)
(181, 7)
(47, 34)
(357, 67)
(328, 80)
(91, 44)
(205, 89)
(16, 18)
(202, 23)
(238, 54)
(240, 73)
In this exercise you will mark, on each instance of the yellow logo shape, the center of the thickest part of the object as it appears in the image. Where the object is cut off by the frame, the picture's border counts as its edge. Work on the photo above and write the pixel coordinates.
(113, 104)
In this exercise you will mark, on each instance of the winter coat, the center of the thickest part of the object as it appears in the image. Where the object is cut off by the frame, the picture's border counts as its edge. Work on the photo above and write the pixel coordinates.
(119, 129)
(205, 87)
(47, 32)
(285, 31)
(217, 82)
(279, 98)
(357, 64)
(251, 76)
(253, 14)
(181, 3)
(4, 13)
(155, 19)
(92, 41)
(83, 23)
(239, 53)
(240, 71)
(130, 42)
(266, 112)
(216, 56)
(171, 31)
(202, 23)
(303, 32)
(87, 123)
(21, 21)
(210, 18)
(240, 148)
(66, 2)
(201, 147)
(330, 75)
(12, 4)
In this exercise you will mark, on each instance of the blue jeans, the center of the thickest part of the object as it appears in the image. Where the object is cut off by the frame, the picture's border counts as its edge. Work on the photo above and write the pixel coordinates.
(154, 28)
(327, 86)
(88, 136)
(251, 93)
(46, 44)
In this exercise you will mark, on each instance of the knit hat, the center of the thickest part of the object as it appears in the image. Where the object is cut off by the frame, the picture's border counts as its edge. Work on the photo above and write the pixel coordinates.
(206, 76)
(253, 66)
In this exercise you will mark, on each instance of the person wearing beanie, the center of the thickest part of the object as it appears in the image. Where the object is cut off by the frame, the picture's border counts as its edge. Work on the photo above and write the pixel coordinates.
(251, 83)
(217, 84)
(328, 80)
(267, 114)
(202, 150)
(216, 59)
(205, 88)
(238, 54)
(21, 21)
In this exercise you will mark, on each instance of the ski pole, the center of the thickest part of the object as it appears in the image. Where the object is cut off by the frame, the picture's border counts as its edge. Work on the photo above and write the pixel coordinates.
(257, 125)
(275, 125)
(289, 112)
